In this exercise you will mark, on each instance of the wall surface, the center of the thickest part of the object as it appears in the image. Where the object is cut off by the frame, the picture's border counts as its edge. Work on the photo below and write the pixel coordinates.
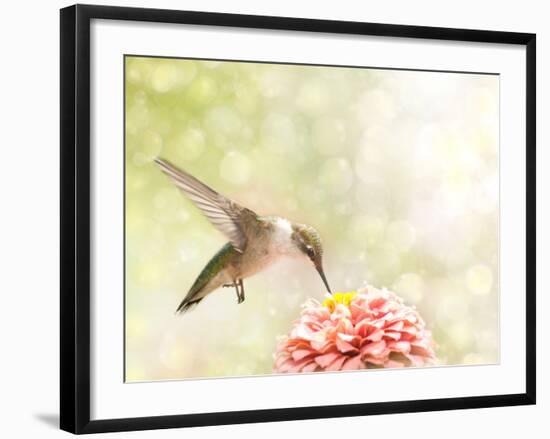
(29, 249)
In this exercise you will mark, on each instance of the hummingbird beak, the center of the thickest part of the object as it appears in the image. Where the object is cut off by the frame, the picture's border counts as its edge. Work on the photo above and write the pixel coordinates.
(319, 268)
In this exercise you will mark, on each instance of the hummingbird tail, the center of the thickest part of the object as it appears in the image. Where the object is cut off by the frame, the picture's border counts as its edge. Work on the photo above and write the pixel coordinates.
(186, 305)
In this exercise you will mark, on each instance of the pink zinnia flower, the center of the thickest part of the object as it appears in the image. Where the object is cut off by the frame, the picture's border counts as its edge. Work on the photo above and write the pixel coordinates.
(369, 328)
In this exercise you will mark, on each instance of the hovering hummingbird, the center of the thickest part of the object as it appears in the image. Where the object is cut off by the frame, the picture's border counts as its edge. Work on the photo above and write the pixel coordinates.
(255, 241)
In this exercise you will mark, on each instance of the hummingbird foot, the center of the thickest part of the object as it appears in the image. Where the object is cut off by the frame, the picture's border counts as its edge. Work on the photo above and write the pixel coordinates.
(240, 291)
(239, 288)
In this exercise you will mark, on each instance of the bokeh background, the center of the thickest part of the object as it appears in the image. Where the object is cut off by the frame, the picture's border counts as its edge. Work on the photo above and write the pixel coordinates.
(398, 170)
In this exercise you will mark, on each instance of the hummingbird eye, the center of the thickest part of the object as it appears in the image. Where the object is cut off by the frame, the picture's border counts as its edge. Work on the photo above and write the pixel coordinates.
(310, 252)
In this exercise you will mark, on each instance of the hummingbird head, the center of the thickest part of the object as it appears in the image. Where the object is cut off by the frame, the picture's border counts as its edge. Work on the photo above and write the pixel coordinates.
(308, 242)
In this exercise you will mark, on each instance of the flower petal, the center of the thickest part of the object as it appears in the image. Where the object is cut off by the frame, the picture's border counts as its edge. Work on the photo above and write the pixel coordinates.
(375, 335)
(337, 364)
(399, 346)
(326, 359)
(354, 363)
(300, 354)
(344, 346)
(311, 367)
(376, 348)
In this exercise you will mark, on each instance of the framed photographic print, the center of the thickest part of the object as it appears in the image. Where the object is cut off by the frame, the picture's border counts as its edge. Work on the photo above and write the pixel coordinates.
(261, 213)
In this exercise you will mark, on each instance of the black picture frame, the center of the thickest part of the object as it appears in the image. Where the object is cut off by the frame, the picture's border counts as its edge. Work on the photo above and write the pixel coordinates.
(76, 210)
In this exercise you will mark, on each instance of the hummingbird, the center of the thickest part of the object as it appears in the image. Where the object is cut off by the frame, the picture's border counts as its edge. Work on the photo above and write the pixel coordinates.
(255, 242)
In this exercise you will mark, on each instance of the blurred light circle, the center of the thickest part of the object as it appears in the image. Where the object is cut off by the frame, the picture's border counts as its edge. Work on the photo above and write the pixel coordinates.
(160, 200)
(164, 77)
(460, 335)
(291, 204)
(278, 133)
(385, 262)
(136, 182)
(149, 274)
(203, 90)
(336, 175)
(169, 75)
(174, 358)
(366, 230)
(343, 208)
(187, 70)
(411, 287)
(328, 135)
(192, 143)
(223, 120)
(479, 279)
(137, 118)
(369, 162)
(133, 75)
(401, 235)
(135, 326)
(274, 82)
(167, 197)
(235, 168)
(487, 193)
(450, 307)
(140, 159)
(140, 97)
(372, 147)
(183, 215)
(314, 97)
(188, 252)
(311, 195)
(377, 106)
(172, 355)
(151, 144)
(246, 99)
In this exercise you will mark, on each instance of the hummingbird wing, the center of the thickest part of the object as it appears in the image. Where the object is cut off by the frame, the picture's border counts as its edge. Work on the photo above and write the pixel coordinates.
(229, 217)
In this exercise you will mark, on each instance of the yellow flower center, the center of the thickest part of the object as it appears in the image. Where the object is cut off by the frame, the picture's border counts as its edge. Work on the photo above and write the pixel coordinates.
(339, 298)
